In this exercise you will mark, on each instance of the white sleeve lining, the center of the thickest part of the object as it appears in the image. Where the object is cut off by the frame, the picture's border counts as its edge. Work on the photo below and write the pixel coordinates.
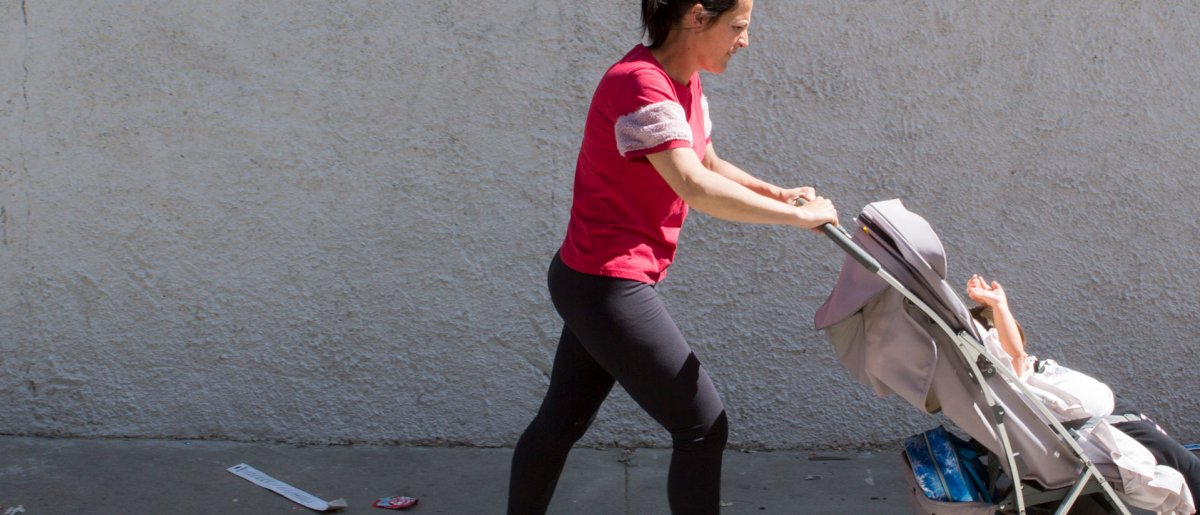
(651, 126)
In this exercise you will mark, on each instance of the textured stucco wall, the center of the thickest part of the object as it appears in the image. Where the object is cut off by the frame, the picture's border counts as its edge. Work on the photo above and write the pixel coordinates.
(329, 222)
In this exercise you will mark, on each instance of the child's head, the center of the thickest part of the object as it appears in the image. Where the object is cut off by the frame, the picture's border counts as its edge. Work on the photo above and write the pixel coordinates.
(983, 315)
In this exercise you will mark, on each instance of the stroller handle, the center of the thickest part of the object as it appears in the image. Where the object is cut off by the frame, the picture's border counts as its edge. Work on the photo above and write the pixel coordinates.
(842, 239)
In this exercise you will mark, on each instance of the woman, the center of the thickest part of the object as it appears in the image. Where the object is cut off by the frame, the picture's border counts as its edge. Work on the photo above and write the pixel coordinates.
(646, 157)
(1004, 338)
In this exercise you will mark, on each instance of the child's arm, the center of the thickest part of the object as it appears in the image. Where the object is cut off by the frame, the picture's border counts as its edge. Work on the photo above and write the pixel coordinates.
(1006, 326)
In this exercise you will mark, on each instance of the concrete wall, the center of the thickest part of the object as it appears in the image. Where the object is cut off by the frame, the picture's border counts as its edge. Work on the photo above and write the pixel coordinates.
(324, 221)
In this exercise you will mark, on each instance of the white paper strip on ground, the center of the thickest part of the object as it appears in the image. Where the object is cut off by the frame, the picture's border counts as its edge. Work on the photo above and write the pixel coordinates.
(298, 496)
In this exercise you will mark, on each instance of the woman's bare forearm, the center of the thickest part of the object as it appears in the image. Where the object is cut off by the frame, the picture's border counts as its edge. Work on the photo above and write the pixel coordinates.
(715, 194)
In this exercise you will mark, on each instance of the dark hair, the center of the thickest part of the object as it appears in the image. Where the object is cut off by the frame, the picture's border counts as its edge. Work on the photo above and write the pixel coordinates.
(983, 315)
(659, 16)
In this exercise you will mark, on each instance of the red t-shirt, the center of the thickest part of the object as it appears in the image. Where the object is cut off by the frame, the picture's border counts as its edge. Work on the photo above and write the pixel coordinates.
(625, 219)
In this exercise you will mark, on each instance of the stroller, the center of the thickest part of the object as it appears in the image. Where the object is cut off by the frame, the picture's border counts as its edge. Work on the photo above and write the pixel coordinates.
(898, 327)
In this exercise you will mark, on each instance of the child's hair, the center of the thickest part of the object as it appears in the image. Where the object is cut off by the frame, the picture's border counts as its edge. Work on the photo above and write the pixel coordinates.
(983, 315)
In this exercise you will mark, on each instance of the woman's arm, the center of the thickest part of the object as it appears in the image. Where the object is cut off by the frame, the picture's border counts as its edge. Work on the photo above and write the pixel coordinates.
(730, 171)
(1006, 325)
(715, 194)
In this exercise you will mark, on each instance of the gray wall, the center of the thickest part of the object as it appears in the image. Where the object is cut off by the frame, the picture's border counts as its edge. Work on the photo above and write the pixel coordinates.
(329, 221)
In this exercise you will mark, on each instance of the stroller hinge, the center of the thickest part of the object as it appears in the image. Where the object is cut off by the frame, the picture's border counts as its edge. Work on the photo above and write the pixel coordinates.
(998, 412)
(985, 366)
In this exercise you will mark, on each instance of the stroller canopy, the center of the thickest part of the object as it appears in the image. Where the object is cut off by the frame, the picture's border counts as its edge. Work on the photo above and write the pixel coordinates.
(881, 349)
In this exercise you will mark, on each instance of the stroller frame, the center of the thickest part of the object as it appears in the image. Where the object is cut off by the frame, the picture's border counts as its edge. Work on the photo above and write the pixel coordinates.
(1022, 494)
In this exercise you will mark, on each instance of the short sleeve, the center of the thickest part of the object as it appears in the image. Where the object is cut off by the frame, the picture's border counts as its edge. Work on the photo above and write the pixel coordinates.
(648, 116)
(652, 126)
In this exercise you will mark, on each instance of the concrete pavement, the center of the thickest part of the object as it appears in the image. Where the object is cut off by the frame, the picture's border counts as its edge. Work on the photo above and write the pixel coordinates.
(71, 476)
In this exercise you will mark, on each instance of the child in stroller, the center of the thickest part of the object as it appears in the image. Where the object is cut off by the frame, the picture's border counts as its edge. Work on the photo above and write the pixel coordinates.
(1004, 339)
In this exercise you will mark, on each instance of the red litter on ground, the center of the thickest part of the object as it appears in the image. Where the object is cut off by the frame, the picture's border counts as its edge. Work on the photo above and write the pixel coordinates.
(399, 502)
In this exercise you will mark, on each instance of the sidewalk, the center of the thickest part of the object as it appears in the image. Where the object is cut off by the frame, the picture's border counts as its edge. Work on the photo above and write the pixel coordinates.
(53, 476)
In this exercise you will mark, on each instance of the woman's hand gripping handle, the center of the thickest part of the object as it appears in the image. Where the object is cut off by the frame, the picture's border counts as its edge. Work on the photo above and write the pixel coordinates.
(840, 237)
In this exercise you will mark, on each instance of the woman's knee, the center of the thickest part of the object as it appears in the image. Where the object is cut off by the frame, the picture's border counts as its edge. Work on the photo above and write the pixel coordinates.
(712, 435)
(557, 430)
(574, 429)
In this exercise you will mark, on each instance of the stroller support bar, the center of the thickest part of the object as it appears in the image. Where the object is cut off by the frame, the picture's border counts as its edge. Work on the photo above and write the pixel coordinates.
(1034, 495)
(968, 346)
(1084, 480)
(842, 239)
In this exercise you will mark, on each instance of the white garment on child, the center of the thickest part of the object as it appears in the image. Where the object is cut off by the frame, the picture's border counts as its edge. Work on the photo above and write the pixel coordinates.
(1144, 482)
(1073, 395)
(1068, 393)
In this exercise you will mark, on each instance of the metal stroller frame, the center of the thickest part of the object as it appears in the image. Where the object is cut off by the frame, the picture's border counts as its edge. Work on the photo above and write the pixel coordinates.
(1022, 494)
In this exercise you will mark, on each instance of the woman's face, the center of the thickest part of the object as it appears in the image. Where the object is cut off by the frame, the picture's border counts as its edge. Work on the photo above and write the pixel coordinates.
(722, 38)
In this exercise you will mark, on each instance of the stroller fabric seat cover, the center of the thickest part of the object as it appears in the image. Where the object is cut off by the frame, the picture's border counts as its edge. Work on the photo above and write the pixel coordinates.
(888, 351)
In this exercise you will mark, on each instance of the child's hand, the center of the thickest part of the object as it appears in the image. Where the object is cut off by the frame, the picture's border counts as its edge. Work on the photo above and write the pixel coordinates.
(988, 295)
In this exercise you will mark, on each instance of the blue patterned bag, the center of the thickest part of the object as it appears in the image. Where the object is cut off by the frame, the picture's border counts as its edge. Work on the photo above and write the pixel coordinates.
(946, 468)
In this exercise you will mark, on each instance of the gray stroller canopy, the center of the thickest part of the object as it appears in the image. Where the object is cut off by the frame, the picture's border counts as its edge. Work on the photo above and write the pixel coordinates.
(905, 245)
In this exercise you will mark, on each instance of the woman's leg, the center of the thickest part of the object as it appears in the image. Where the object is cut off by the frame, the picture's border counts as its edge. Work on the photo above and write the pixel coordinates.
(577, 388)
(625, 328)
(620, 329)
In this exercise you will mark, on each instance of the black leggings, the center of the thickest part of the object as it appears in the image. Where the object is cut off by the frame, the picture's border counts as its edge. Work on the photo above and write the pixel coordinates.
(619, 330)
